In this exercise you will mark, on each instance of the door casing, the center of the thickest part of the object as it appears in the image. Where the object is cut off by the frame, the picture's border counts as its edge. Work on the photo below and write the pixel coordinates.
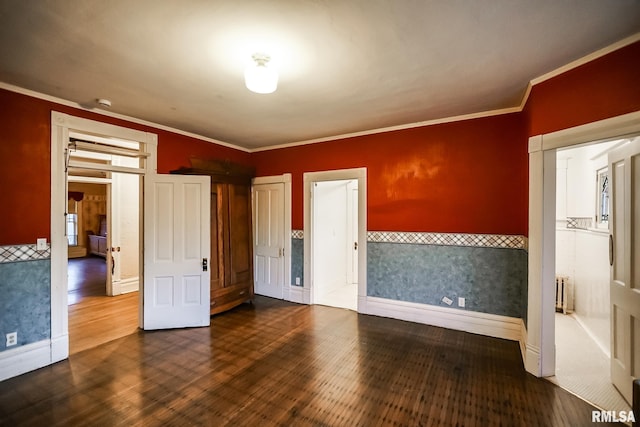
(359, 174)
(539, 335)
(61, 125)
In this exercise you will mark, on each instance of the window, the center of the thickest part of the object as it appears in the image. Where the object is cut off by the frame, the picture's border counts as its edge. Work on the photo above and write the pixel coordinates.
(72, 222)
(72, 229)
(602, 197)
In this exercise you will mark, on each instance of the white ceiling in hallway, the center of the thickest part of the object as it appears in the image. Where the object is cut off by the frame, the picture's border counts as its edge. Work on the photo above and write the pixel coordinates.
(345, 66)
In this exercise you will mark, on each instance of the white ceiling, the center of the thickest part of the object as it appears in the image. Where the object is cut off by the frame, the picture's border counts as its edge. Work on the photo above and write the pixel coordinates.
(345, 66)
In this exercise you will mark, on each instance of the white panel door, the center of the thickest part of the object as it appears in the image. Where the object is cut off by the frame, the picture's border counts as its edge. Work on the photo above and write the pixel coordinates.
(624, 173)
(176, 289)
(352, 231)
(268, 234)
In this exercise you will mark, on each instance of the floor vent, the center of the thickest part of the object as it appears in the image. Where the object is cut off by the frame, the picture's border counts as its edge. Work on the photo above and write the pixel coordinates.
(564, 295)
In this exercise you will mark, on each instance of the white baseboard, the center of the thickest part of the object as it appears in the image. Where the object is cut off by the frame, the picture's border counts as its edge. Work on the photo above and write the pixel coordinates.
(59, 348)
(523, 341)
(532, 361)
(300, 295)
(24, 359)
(462, 320)
(128, 285)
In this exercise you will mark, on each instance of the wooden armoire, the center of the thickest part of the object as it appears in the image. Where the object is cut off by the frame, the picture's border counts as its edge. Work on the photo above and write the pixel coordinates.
(231, 262)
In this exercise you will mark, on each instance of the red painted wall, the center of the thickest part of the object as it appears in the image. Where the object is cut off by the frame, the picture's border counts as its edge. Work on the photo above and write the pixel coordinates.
(463, 177)
(606, 87)
(468, 176)
(25, 162)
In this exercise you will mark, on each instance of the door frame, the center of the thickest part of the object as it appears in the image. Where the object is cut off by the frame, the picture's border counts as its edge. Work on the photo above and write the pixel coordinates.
(108, 188)
(61, 125)
(359, 174)
(539, 334)
(286, 238)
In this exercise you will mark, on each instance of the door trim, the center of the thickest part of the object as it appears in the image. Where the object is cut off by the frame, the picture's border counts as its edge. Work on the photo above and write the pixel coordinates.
(61, 125)
(286, 180)
(539, 357)
(359, 174)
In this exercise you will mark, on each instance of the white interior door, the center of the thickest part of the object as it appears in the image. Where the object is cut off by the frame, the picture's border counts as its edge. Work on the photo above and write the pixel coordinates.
(176, 289)
(268, 222)
(352, 231)
(624, 172)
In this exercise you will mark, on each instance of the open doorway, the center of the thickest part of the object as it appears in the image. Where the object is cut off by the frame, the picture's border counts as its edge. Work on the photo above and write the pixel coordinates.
(582, 304)
(103, 234)
(86, 234)
(335, 243)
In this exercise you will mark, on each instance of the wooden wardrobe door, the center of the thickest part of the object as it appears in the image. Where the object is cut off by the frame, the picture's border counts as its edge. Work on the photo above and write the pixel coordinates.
(216, 263)
(240, 242)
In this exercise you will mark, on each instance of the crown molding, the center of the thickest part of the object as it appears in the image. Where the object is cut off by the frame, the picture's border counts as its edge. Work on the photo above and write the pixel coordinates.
(558, 71)
(394, 128)
(67, 103)
(587, 58)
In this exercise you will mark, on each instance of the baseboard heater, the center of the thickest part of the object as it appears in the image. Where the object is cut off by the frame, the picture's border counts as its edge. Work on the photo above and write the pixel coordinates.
(564, 295)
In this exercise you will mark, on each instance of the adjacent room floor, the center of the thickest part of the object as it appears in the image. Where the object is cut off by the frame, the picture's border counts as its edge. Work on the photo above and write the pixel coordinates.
(582, 367)
(279, 363)
(94, 317)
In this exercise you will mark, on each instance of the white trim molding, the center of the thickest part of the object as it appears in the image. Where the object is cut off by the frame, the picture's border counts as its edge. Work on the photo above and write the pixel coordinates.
(61, 125)
(125, 286)
(540, 354)
(492, 325)
(309, 178)
(24, 359)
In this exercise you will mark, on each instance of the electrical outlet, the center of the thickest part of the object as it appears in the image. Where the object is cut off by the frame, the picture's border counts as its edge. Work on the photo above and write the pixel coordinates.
(12, 339)
(41, 244)
(298, 281)
(447, 301)
(461, 302)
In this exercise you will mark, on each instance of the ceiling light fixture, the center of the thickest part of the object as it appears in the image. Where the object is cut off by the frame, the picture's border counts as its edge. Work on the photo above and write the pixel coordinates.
(259, 77)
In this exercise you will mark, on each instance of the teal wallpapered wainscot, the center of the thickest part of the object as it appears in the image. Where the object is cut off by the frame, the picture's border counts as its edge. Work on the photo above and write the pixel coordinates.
(25, 305)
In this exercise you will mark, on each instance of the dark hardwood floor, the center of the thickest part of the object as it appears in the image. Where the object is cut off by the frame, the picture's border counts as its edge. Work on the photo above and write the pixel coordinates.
(86, 277)
(278, 363)
(94, 317)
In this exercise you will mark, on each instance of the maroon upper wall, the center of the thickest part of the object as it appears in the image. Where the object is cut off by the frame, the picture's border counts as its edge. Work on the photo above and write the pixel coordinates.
(468, 176)
(463, 177)
(25, 161)
(605, 87)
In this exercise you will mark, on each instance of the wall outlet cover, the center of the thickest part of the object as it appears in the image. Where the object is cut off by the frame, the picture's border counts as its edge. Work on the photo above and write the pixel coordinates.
(297, 280)
(41, 244)
(12, 339)
(447, 301)
(461, 302)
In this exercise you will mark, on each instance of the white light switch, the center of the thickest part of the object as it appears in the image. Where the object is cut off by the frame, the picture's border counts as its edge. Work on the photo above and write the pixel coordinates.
(41, 244)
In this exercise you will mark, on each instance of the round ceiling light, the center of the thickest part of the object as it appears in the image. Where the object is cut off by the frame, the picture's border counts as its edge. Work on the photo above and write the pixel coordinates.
(260, 77)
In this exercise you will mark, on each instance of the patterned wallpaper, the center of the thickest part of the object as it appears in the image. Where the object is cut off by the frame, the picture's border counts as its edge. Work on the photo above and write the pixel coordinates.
(442, 239)
(17, 253)
(488, 270)
(25, 305)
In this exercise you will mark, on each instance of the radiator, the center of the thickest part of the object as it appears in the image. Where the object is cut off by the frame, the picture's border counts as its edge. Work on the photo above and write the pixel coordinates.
(564, 295)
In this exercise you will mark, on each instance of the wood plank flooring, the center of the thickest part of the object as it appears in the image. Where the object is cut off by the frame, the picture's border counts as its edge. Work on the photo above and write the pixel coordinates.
(95, 318)
(278, 363)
